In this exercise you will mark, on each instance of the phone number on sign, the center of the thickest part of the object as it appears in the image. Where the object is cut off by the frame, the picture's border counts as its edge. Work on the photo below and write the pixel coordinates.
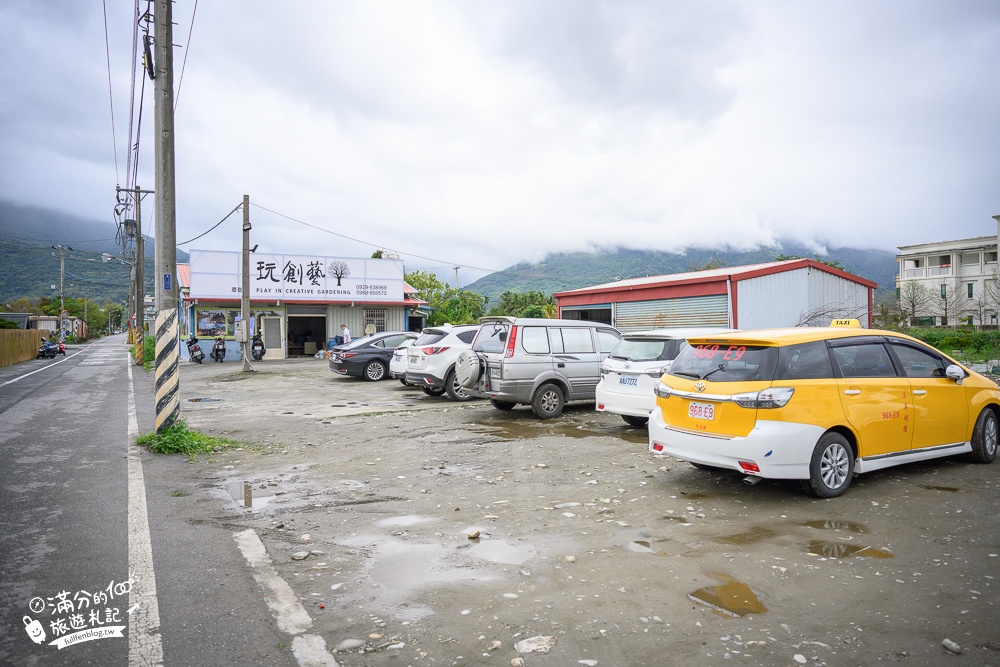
(372, 290)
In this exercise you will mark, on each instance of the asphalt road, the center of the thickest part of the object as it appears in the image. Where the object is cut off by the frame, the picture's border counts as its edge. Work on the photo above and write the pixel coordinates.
(71, 557)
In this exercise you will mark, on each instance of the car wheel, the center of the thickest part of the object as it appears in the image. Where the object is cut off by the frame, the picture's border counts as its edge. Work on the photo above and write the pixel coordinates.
(506, 406)
(374, 371)
(637, 422)
(831, 467)
(547, 402)
(984, 437)
(455, 389)
(467, 369)
(431, 391)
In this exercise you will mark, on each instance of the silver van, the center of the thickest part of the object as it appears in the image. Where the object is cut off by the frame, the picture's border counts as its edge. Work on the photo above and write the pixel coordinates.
(536, 362)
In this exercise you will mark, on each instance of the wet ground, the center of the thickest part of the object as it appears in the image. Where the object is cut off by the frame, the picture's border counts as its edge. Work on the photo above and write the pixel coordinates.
(448, 533)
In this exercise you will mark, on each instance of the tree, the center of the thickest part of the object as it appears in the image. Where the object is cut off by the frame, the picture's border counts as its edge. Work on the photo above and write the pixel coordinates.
(699, 265)
(914, 300)
(887, 314)
(823, 315)
(377, 254)
(515, 303)
(835, 263)
(339, 270)
(950, 302)
(448, 305)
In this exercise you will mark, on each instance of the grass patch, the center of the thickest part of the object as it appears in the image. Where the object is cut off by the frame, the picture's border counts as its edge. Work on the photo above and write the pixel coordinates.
(179, 439)
(180, 494)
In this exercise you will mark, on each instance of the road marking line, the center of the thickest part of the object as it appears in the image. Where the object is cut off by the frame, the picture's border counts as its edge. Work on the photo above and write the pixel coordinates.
(309, 650)
(145, 646)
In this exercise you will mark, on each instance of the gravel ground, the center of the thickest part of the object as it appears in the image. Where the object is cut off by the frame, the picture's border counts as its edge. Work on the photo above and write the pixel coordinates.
(443, 533)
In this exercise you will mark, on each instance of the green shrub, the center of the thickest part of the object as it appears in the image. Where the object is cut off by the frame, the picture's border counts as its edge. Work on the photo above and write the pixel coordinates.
(179, 439)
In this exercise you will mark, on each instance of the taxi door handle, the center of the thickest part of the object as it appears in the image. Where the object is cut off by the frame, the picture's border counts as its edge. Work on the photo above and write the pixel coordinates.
(852, 392)
(919, 392)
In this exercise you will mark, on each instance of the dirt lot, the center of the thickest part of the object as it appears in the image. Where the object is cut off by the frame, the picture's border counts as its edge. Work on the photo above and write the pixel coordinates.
(617, 556)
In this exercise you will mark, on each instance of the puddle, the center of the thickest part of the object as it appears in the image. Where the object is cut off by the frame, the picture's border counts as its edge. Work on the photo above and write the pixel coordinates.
(204, 400)
(498, 551)
(646, 547)
(404, 521)
(751, 536)
(836, 524)
(526, 428)
(844, 550)
(262, 497)
(932, 487)
(733, 599)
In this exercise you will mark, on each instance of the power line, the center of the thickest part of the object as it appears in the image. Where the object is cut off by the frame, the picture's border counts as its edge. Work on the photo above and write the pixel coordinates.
(187, 50)
(111, 97)
(236, 208)
(373, 245)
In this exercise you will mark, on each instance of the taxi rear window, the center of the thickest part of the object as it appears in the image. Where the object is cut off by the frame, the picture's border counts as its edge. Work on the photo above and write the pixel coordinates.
(726, 362)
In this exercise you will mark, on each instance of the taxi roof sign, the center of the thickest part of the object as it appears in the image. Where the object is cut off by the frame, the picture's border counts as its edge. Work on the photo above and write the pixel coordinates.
(845, 323)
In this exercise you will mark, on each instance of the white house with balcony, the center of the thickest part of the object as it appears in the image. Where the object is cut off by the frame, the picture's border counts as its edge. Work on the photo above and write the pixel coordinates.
(959, 279)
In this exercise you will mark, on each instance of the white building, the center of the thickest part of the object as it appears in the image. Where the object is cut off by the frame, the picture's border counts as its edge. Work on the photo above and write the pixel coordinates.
(950, 282)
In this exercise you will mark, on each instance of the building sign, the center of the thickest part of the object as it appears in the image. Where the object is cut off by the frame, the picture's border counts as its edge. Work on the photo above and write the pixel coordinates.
(217, 275)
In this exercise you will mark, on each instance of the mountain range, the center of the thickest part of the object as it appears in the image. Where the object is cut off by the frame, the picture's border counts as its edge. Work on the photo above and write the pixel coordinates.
(31, 266)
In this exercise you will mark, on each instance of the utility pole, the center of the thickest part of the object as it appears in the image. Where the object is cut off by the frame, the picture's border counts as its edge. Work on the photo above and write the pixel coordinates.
(456, 277)
(62, 283)
(167, 342)
(245, 300)
(140, 258)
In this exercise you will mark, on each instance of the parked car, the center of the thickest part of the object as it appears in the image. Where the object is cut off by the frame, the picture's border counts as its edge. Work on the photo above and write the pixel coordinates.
(631, 371)
(536, 362)
(820, 405)
(397, 365)
(431, 360)
(368, 357)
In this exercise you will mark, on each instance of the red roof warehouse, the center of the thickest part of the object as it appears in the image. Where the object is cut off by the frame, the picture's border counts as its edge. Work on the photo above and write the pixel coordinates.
(795, 292)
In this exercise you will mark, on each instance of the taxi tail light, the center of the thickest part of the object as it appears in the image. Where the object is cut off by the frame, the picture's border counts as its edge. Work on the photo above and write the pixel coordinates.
(433, 350)
(511, 337)
(749, 466)
(661, 390)
(775, 397)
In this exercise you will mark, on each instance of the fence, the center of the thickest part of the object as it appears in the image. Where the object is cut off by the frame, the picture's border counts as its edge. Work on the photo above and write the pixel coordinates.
(17, 345)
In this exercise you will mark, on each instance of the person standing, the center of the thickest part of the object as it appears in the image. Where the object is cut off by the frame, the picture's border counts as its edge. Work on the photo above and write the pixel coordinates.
(345, 333)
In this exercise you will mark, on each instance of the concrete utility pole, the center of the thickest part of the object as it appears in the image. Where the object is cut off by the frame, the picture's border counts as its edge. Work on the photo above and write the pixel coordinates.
(245, 300)
(167, 343)
(140, 250)
(62, 280)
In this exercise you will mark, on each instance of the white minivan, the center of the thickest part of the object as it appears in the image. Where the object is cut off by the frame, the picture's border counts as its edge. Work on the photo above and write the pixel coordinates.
(630, 373)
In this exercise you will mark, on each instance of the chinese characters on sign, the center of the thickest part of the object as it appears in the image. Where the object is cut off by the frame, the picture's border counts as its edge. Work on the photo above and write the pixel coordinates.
(72, 618)
(216, 275)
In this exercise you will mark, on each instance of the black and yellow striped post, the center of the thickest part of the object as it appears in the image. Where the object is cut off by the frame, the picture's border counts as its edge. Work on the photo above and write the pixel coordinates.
(167, 370)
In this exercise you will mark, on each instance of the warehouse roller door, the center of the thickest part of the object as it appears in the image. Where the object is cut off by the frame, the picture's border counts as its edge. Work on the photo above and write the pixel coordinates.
(694, 311)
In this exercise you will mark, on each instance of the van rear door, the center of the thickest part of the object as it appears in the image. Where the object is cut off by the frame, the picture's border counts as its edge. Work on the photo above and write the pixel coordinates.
(576, 358)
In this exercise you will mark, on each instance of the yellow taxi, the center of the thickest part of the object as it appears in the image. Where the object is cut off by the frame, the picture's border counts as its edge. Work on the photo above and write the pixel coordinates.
(820, 405)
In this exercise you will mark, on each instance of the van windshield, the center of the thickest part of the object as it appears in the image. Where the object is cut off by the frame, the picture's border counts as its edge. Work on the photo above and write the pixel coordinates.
(726, 363)
(492, 337)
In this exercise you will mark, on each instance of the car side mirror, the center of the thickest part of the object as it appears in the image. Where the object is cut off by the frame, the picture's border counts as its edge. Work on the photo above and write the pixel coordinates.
(955, 372)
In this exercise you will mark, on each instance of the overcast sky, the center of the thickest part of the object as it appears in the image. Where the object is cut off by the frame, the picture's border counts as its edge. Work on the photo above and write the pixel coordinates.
(483, 134)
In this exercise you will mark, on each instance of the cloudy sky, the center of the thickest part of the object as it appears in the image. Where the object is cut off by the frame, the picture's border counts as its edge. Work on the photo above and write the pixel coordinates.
(483, 134)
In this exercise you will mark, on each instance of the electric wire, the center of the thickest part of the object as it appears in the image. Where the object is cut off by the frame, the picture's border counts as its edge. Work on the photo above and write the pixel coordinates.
(187, 49)
(374, 245)
(111, 97)
(238, 206)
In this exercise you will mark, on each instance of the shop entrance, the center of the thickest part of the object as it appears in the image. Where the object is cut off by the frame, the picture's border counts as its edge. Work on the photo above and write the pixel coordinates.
(306, 335)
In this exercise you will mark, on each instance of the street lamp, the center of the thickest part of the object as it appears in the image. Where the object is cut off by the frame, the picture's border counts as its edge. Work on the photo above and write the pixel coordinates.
(62, 281)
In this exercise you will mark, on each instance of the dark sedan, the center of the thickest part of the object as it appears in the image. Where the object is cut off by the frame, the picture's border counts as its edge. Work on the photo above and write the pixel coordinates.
(368, 357)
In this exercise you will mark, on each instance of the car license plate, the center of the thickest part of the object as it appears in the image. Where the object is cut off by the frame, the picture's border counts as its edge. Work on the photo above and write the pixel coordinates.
(495, 372)
(628, 381)
(701, 411)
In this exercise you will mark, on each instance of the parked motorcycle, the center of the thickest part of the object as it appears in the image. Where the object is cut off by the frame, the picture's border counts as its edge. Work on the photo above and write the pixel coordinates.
(219, 350)
(257, 348)
(62, 348)
(47, 350)
(194, 350)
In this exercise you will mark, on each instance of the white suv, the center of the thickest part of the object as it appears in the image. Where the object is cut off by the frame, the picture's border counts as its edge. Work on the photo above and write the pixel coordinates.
(397, 365)
(431, 359)
(629, 375)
